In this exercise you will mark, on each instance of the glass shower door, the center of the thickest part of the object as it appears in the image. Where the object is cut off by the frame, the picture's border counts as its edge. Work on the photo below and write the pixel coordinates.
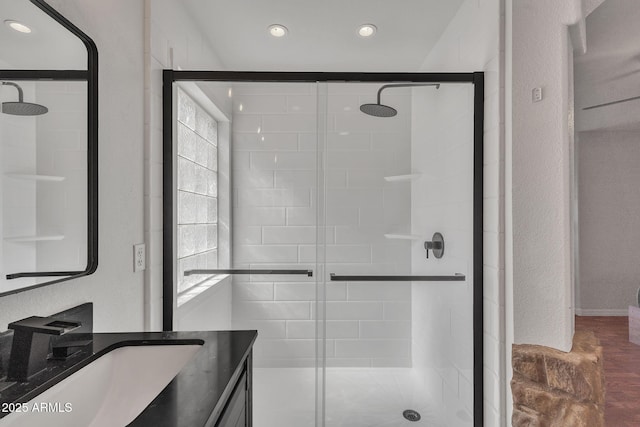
(262, 199)
(399, 254)
(347, 236)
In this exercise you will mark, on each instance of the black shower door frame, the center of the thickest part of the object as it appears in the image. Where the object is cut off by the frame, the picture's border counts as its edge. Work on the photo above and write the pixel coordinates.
(169, 77)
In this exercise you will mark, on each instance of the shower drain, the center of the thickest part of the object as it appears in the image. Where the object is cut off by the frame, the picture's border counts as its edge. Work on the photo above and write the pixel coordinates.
(411, 415)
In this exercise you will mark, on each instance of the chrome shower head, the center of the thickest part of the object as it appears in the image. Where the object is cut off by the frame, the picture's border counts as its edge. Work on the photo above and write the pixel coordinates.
(381, 110)
(21, 108)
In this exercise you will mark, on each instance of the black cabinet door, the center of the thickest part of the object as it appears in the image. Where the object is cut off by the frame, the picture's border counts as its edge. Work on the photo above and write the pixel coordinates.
(235, 412)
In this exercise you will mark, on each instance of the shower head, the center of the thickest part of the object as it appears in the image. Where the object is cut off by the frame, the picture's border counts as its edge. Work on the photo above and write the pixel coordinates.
(22, 108)
(378, 110)
(381, 110)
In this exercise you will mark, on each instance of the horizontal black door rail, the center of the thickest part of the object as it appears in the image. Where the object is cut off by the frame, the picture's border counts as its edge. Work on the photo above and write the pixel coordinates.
(454, 278)
(309, 273)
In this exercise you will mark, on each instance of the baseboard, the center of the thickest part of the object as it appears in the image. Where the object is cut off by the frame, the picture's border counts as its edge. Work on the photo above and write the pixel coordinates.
(602, 311)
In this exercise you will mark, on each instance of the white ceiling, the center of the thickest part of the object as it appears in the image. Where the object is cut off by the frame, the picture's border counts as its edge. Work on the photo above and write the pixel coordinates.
(610, 70)
(48, 46)
(322, 33)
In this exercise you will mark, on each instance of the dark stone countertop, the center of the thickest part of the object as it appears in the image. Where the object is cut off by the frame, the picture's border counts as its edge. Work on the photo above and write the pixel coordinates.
(198, 391)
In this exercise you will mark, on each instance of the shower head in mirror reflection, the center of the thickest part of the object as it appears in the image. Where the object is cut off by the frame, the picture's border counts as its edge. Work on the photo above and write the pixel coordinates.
(381, 110)
(21, 108)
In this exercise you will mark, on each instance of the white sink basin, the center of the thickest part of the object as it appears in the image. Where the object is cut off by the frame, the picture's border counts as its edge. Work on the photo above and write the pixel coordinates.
(109, 392)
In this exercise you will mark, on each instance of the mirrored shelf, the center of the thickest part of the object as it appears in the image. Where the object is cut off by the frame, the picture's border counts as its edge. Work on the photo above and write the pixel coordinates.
(31, 177)
(41, 238)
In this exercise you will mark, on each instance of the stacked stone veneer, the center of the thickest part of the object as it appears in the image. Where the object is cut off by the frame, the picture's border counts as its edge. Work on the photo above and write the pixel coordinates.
(552, 388)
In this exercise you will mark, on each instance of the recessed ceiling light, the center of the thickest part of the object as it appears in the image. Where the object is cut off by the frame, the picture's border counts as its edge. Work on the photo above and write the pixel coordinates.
(367, 30)
(17, 26)
(277, 30)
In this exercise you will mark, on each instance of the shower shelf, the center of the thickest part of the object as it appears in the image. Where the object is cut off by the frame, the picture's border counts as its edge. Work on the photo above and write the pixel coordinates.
(402, 236)
(34, 238)
(400, 178)
(31, 177)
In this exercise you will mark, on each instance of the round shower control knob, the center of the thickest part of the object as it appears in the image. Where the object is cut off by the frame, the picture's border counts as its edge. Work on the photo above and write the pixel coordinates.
(436, 245)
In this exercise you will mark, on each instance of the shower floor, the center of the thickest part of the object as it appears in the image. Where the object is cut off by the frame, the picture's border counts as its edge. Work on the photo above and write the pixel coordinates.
(355, 397)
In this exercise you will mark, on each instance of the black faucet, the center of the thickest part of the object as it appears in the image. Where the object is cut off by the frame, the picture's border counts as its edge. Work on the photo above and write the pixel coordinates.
(63, 350)
(30, 346)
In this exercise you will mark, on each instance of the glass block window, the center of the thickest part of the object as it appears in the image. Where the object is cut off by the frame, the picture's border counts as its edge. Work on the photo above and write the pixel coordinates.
(197, 192)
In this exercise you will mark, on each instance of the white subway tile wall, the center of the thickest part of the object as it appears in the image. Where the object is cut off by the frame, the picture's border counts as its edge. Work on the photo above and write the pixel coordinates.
(274, 224)
(62, 151)
(197, 190)
(18, 152)
(442, 313)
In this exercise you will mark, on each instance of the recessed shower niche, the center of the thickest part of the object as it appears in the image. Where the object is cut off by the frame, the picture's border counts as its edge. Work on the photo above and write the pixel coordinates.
(48, 148)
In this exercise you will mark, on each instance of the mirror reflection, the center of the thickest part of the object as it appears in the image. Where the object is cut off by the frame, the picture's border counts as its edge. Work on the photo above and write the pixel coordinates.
(44, 153)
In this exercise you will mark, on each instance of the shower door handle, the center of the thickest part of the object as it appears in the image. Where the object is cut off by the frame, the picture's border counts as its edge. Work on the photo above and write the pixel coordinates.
(457, 277)
(308, 273)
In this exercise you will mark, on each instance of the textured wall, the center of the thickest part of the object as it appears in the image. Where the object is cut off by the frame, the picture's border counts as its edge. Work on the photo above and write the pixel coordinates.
(540, 301)
(606, 72)
(539, 188)
(172, 40)
(115, 289)
(609, 200)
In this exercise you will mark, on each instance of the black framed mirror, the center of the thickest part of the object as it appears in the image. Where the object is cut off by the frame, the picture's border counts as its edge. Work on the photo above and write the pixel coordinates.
(48, 148)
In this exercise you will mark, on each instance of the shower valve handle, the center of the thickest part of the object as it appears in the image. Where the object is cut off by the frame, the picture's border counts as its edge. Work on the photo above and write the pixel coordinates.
(436, 245)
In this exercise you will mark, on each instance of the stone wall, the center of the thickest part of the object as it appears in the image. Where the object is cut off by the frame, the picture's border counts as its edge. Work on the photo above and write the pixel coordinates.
(552, 388)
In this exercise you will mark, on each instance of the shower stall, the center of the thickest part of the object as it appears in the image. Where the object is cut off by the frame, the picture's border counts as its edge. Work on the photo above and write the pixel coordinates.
(340, 215)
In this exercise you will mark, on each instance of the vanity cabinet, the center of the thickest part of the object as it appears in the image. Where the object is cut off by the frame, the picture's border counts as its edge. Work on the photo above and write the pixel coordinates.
(212, 387)
(213, 390)
(237, 407)
(236, 412)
